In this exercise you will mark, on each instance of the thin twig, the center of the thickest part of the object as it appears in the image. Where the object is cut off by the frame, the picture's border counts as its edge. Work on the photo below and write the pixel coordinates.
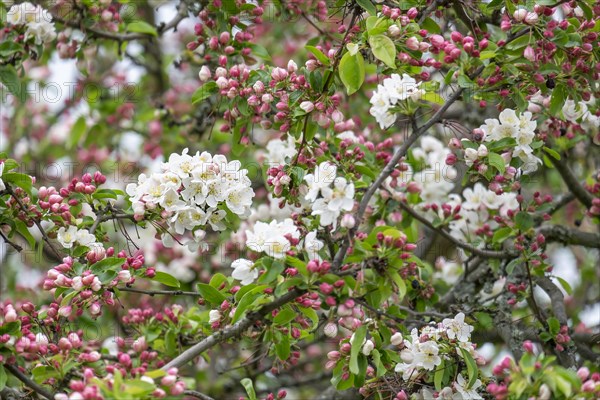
(159, 292)
(36, 222)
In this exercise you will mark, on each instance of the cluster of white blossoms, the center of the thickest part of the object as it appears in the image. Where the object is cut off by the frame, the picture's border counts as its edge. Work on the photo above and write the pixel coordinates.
(275, 238)
(434, 179)
(337, 194)
(579, 113)
(68, 237)
(37, 20)
(476, 209)
(433, 345)
(194, 192)
(394, 89)
(519, 127)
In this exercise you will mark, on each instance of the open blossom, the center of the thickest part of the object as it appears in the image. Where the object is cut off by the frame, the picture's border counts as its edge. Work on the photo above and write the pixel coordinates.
(427, 355)
(37, 20)
(321, 179)
(68, 237)
(461, 386)
(520, 127)
(243, 271)
(394, 89)
(278, 151)
(272, 238)
(312, 245)
(334, 201)
(194, 190)
(457, 328)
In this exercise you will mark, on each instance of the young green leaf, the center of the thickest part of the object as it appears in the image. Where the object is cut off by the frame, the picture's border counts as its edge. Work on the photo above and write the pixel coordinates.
(352, 71)
(383, 49)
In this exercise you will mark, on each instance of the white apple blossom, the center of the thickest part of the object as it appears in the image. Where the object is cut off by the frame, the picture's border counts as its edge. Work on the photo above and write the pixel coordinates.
(312, 245)
(456, 328)
(278, 151)
(272, 238)
(243, 271)
(394, 89)
(520, 127)
(427, 356)
(461, 386)
(322, 178)
(37, 20)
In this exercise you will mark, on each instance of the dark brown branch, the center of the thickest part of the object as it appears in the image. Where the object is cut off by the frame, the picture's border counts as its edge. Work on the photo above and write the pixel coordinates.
(562, 234)
(13, 369)
(11, 243)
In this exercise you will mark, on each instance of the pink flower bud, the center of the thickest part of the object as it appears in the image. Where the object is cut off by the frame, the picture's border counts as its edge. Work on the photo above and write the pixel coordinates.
(520, 14)
(204, 74)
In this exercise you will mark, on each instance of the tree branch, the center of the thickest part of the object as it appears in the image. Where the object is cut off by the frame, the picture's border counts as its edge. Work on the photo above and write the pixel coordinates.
(236, 329)
(465, 246)
(159, 292)
(13, 369)
(562, 234)
(572, 182)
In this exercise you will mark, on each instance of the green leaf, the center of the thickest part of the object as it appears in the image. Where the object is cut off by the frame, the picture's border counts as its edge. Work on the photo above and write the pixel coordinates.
(21, 180)
(553, 326)
(155, 374)
(323, 59)
(310, 314)
(10, 328)
(142, 27)
(108, 264)
(399, 283)
(559, 96)
(283, 348)
(523, 221)
(552, 153)
(217, 280)
(471, 367)
(352, 71)
(3, 377)
(438, 376)
(76, 132)
(359, 336)
(430, 25)
(497, 162)
(248, 300)
(565, 285)
(273, 271)
(247, 384)
(376, 356)
(367, 6)
(9, 48)
(166, 279)
(284, 316)
(383, 49)
(501, 234)
(138, 388)
(433, 98)
(519, 43)
(10, 79)
(204, 92)
(260, 51)
(211, 294)
(484, 319)
(24, 231)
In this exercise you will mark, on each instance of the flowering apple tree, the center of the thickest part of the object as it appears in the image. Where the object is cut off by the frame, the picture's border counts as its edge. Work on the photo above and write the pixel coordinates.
(306, 199)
